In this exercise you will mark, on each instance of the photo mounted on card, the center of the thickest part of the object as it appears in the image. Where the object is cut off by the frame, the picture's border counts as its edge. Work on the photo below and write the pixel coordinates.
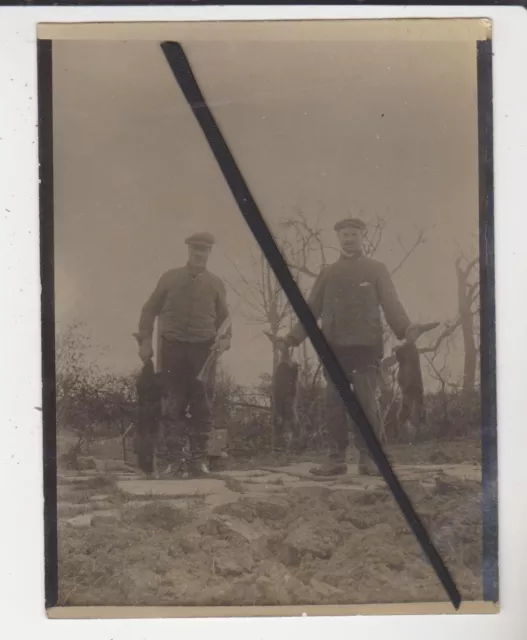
(268, 318)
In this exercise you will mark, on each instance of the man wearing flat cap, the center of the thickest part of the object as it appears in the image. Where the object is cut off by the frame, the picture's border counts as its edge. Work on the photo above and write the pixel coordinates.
(348, 297)
(191, 306)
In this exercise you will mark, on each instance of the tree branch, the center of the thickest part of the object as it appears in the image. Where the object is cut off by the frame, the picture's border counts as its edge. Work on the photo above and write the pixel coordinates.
(448, 331)
(418, 241)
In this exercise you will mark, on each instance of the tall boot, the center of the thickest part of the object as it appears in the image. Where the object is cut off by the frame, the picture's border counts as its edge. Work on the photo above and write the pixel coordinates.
(198, 465)
(198, 468)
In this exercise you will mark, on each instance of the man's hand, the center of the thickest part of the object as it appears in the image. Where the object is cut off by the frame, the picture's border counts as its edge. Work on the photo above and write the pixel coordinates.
(222, 345)
(412, 333)
(286, 342)
(146, 352)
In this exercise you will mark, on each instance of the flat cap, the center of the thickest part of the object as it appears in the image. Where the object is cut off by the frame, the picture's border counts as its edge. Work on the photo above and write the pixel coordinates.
(347, 223)
(202, 238)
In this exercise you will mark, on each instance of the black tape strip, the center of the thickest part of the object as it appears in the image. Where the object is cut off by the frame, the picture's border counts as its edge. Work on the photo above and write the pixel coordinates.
(45, 142)
(489, 439)
(182, 71)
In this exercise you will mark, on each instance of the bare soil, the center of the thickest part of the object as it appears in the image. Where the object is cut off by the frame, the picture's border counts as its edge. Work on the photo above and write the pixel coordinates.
(273, 544)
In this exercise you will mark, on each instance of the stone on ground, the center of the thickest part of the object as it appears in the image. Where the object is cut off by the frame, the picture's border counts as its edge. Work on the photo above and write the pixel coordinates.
(100, 498)
(190, 487)
(219, 499)
(225, 526)
(68, 509)
(80, 521)
(244, 473)
(106, 516)
(324, 590)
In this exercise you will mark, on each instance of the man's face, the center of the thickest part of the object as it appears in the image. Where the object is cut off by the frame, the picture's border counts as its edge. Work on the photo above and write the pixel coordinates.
(350, 239)
(198, 255)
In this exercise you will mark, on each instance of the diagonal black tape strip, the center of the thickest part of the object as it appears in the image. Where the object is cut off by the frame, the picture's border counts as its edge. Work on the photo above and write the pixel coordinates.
(182, 71)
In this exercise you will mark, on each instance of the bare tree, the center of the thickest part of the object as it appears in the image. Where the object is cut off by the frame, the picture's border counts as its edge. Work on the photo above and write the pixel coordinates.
(303, 246)
(264, 302)
(468, 305)
(440, 373)
(467, 281)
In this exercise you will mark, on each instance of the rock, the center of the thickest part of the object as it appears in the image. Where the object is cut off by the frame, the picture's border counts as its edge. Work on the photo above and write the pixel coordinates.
(276, 582)
(102, 506)
(78, 480)
(271, 584)
(271, 592)
(273, 479)
(239, 509)
(67, 509)
(383, 530)
(243, 474)
(214, 546)
(235, 485)
(311, 490)
(105, 517)
(372, 496)
(172, 488)
(243, 592)
(232, 562)
(229, 527)
(191, 543)
(66, 492)
(158, 515)
(142, 580)
(274, 570)
(219, 499)
(225, 566)
(324, 590)
(101, 498)
(81, 521)
(304, 539)
(269, 508)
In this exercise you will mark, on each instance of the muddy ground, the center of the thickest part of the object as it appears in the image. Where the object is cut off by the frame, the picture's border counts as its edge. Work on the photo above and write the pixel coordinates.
(263, 533)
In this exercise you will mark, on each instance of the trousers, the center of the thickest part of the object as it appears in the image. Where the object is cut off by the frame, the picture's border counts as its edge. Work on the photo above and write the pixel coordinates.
(185, 406)
(361, 366)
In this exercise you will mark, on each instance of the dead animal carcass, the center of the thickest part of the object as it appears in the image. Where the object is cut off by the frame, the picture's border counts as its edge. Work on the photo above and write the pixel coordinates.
(412, 413)
(148, 417)
(410, 380)
(285, 393)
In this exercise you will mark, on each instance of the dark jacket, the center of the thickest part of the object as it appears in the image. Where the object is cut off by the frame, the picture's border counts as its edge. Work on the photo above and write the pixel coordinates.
(348, 297)
(191, 306)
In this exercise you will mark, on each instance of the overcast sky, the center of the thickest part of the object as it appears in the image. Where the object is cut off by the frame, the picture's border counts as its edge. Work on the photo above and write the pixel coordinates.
(387, 128)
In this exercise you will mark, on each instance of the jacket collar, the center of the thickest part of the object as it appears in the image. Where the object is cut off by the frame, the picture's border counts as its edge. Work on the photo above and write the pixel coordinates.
(353, 256)
(194, 271)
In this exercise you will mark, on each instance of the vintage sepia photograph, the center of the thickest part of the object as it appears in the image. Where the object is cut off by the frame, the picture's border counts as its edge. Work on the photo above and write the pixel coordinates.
(197, 452)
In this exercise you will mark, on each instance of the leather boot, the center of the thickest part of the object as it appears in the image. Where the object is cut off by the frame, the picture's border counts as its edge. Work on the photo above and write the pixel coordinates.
(198, 468)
